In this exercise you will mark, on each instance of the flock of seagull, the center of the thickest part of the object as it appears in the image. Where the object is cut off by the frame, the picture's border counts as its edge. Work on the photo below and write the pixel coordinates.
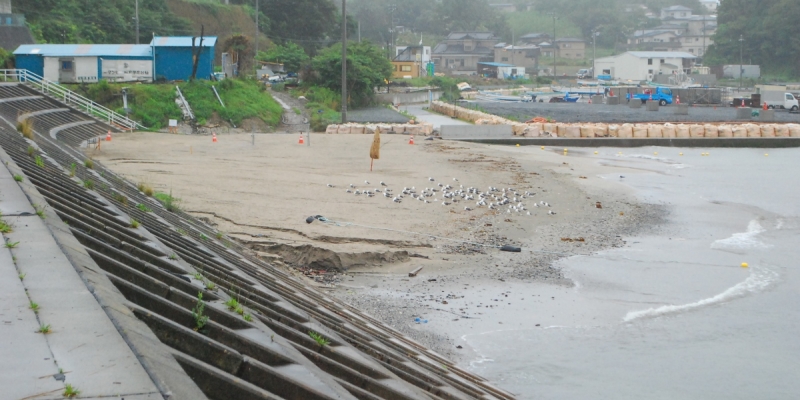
(493, 198)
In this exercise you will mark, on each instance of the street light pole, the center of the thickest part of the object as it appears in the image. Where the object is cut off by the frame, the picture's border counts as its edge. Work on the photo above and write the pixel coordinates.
(554, 45)
(344, 61)
(741, 63)
(594, 51)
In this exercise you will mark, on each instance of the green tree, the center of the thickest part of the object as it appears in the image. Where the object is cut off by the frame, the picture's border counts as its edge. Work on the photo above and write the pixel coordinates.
(367, 67)
(292, 56)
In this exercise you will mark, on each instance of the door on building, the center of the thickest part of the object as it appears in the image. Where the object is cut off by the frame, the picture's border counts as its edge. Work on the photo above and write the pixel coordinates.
(66, 70)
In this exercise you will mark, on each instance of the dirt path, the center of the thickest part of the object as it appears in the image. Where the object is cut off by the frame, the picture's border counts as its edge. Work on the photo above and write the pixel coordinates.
(295, 116)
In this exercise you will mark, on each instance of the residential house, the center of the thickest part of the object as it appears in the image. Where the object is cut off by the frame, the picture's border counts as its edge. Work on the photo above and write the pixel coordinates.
(526, 55)
(500, 70)
(411, 61)
(14, 31)
(413, 53)
(644, 65)
(654, 40)
(711, 5)
(460, 52)
(571, 48)
(676, 12)
(690, 34)
(534, 38)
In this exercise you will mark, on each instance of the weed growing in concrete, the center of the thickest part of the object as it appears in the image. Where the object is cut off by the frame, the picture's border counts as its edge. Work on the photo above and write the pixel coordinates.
(35, 307)
(181, 231)
(88, 184)
(321, 340)
(25, 127)
(145, 188)
(31, 150)
(239, 310)
(44, 328)
(199, 276)
(11, 245)
(121, 198)
(88, 163)
(143, 208)
(232, 304)
(70, 391)
(39, 210)
(169, 202)
(248, 317)
(211, 285)
(134, 223)
(4, 227)
(203, 236)
(219, 235)
(39, 162)
(72, 170)
(18, 178)
(200, 320)
(173, 256)
(21, 276)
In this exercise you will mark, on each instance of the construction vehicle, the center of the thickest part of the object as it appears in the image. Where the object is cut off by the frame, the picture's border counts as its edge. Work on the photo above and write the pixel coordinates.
(662, 95)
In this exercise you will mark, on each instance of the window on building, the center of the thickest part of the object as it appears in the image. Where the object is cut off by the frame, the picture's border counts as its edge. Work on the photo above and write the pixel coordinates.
(405, 68)
(649, 71)
(66, 65)
(662, 61)
(696, 39)
(505, 59)
(649, 61)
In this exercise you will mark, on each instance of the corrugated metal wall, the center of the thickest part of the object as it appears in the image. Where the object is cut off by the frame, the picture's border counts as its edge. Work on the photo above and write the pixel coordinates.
(175, 63)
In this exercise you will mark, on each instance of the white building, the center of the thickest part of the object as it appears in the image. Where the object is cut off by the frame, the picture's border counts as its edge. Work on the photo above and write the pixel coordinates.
(711, 5)
(644, 65)
(676, 12)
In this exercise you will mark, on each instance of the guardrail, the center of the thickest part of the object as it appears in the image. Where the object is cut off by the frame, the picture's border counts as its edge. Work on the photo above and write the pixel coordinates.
(69, 97)
(186, 107)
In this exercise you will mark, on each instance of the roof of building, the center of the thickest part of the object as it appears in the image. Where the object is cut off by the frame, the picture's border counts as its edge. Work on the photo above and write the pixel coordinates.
(182, 41)
(12, 37)
(569, 39)
(407, 54)
(676, 8)
(639, 34)
(535, 36)
(495, 64)
(86, 50)
(444, 48)
(661, 54)
(521, 47)
(471, 35)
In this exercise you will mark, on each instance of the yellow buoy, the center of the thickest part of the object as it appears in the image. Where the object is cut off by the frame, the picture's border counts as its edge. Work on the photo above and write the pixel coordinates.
(542, 147)
(595, 152)
(766, 155)
(517, 144)
(680, 154)
(655, 153)
(565, 150)
(745, 265)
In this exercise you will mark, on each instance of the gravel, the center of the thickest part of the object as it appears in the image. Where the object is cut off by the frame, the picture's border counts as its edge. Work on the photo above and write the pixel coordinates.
(376, 115)
(584, 112)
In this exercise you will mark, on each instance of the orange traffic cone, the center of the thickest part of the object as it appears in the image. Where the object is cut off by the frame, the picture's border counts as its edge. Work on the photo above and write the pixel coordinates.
(108, 135)
(301, 141)
(742, 103)
(213, 137)
(590, 100)
(411, 140)
(765, 106)
(678, 100)
(611, 93)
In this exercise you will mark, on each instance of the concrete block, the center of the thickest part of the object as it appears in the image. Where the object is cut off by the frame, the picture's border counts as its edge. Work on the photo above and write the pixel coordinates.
(744, 113)
(652, 105)
(635, 103)
(476, 131)
(597, 99)
(612, 100)
(767, 115)
(681, 109)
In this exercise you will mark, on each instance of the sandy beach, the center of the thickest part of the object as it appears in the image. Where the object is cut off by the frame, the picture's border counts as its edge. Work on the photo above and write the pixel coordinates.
(260, 190)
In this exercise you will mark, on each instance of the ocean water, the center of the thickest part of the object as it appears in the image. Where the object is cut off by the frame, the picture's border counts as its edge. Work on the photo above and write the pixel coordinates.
(674, 315)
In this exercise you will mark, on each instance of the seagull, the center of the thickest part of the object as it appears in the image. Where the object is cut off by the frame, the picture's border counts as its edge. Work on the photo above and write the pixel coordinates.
(444, 203)
(383, 184)
(430, 179)
(396, 200)
(467, 209)
(352, 186)
(455, 180)
(529, 213)
(366, 182)
(329, 185)
(440, 185)
(551, 212)
(349, 191)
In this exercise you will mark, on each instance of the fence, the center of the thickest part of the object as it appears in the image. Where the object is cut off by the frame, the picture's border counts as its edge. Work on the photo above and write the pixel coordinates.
(69, 97)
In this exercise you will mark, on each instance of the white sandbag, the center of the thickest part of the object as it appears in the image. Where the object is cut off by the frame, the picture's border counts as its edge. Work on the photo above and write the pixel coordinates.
(668, 131)
(398, 129)
(711, 131)
(562, 129)
(654, 131)
(767, 130)
(794, 130)
(573, 131)
(640, 131)
(781, 130)
(550, 128)
(753, 130)
(682, 131)
(613, 130)
(587, 130)
(518, 129)
(412, 130)
(625, 131)
(532, 130)
(344, 130)
(739, 131)
(600, 130)
(697, 131)
(332, 128)
(358, 129)
(725, 131)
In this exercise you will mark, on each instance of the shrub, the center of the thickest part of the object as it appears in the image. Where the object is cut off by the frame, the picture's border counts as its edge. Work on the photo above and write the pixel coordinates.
(25, 127)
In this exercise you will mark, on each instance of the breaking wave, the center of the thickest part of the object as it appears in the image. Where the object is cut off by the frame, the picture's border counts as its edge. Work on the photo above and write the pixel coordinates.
(744, 240)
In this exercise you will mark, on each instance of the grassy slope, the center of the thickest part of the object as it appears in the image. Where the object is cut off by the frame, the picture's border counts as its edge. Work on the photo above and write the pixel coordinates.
(218, 19)
(154, 104)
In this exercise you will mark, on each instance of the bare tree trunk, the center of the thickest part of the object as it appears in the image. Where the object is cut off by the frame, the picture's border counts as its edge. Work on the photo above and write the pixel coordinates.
(196, 53)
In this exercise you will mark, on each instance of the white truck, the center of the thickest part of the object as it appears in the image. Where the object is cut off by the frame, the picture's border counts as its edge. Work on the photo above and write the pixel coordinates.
(780, 100)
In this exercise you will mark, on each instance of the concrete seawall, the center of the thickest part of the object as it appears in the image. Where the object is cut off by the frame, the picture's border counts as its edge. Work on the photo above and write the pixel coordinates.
(643, 142)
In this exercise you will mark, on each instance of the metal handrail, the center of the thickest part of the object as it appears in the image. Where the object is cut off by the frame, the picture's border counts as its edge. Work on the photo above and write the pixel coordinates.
(53, 89)
(185, 103)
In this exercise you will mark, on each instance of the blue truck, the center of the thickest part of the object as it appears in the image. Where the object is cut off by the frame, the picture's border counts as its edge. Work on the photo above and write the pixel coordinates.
(660, 94)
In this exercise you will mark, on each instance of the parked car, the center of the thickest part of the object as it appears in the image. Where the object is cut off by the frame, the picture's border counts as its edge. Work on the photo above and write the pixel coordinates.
(585, 73)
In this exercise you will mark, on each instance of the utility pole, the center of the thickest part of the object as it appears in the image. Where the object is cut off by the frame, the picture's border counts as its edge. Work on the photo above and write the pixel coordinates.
(137, 21)
(392, 8)
(359, 30)
(344, 61)
(256, 39)
(741, 63)
(555, 46)
(594, 51)
(704, 41)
